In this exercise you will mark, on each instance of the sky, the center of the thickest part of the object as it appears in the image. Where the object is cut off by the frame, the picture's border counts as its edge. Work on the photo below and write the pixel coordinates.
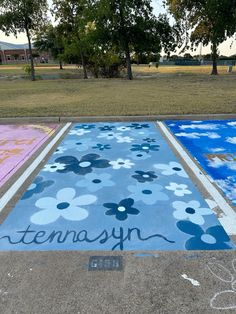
(225, 48)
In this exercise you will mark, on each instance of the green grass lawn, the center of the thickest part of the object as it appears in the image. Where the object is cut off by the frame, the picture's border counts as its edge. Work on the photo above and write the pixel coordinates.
(166, 92)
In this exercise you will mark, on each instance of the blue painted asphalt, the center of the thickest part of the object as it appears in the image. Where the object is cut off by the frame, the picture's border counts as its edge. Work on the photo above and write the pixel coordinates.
(113, 186)
(213, 144)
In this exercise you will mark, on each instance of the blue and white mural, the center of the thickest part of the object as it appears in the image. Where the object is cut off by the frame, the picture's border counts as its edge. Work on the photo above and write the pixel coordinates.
(113, 186)
(213, 145)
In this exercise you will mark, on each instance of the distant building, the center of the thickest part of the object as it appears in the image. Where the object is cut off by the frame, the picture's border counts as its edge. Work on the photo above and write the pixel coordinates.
(18, 53)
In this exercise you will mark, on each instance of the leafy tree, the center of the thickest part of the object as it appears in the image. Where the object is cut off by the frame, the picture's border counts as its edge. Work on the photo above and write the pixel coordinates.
(132, 28)
(207, 22)
(27, 16)
(71, 15)
(50, 39)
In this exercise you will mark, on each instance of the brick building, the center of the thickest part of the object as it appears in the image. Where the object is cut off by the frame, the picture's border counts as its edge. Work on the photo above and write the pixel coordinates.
(18, 53)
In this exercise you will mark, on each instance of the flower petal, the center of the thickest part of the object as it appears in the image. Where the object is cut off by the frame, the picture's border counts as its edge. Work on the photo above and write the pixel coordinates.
(180, 214)
(66, 194)
(133, 211)
(219, 233)
(128, 202)
(46, 202)
(204, 211)
(197, 219)
(84, 200)
(190, 228)
(75, 213)
(110, 205)
(44, 217)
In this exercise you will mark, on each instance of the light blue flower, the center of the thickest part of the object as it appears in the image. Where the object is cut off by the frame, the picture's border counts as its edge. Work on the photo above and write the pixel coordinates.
(172, 168)
(65, 205)
(139, 156)
(109, 135)
(147, 193)
(191, 211)
(80, 145)
(83, 144)
(141, 133)
(94, 182)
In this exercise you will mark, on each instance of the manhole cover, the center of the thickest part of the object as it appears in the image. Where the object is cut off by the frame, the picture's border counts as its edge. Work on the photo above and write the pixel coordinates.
(105, 263)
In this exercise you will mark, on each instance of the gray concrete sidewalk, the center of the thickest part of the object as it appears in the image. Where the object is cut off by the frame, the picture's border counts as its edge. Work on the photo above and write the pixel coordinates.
(59, 282)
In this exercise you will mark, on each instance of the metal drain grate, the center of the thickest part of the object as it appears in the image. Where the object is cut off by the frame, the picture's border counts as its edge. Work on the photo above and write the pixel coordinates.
(105, 263)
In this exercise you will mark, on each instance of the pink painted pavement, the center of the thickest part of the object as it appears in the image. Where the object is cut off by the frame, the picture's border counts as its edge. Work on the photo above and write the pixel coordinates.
(18, 143)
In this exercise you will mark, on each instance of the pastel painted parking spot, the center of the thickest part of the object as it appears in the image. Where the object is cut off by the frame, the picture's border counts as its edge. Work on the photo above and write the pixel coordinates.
(18, 143)
(113, 186)
(213, 144)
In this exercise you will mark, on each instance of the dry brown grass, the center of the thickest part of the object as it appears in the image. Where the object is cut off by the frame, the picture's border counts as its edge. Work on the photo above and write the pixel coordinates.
(166, 93)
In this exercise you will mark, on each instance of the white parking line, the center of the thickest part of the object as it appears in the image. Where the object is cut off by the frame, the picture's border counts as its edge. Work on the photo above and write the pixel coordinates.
(17, 185)
(228, 221)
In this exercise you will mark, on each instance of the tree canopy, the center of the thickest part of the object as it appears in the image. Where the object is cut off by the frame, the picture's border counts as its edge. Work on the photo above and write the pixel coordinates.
(207, 21)
(27, 16)
(50, 39)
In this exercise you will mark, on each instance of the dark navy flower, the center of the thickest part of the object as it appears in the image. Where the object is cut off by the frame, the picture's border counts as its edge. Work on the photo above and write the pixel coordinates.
(143, 176)
(145, 148)
(122, 209)
(84, 165)
(102, 146)
(149, 140)
(138, 126)
(38, 186)
(107, 128)
(214, 238)
(85, 126)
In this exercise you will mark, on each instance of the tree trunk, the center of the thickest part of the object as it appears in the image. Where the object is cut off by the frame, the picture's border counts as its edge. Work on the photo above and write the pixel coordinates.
(31, 55)
(83, 65)
(60, 63)
(125, 41)
(128, 63)
(214, 59)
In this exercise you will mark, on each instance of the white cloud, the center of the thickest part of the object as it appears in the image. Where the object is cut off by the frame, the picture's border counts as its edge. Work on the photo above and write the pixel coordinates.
(231, 140)
(217, 150)
(218, 163)
(206, 126)
(232, 123)
(196, 135)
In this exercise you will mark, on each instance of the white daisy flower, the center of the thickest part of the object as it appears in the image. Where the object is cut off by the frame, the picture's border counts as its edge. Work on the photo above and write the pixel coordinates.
(123, 128)
(54, 167)
(178, 189)
(121, 163)
(124, 139)
(79, 132)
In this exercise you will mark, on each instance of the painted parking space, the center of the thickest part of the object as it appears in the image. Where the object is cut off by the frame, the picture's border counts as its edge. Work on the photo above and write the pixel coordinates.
(18, 143)
(113, 186)
(213, 145)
